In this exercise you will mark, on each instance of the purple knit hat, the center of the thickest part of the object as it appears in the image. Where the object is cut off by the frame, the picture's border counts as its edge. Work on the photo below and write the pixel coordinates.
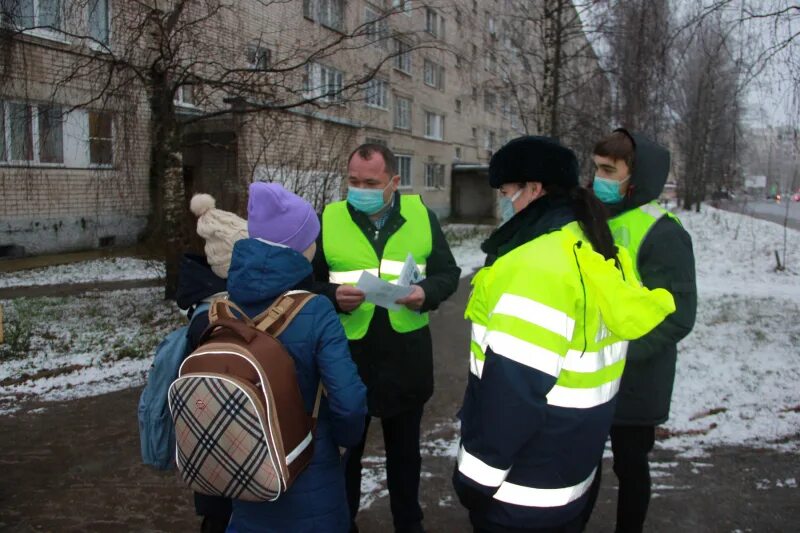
(276, 215)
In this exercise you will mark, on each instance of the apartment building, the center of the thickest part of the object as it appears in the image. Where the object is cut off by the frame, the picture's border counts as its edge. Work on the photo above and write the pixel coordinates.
(78, 126)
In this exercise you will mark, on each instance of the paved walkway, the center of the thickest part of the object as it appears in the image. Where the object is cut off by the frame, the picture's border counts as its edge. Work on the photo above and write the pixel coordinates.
(75, 466)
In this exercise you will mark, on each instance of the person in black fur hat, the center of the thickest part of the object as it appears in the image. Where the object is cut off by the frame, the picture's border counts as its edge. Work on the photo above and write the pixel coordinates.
(548, 346)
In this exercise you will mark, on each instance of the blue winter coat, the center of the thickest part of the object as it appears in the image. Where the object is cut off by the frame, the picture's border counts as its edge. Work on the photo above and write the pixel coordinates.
(316, 502)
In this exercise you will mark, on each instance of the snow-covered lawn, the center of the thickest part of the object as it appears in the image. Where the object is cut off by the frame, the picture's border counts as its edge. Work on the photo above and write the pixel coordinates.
(113, 269)
(738, 378)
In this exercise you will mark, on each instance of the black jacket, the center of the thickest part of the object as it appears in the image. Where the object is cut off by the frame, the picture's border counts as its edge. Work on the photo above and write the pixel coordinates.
(665, 260)
(397, 368)
(196, 282)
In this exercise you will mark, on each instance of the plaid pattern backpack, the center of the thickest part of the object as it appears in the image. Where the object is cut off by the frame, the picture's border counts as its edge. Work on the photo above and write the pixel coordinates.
(240, 424)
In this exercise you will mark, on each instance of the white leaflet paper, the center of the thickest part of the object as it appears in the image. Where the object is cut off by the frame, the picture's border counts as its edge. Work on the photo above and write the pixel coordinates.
(410, 274)
(381, 292)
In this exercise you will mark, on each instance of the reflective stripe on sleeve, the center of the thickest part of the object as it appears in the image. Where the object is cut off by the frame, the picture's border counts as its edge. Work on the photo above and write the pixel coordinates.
(536, 313)
(588, 362)
(532, 497)
(350, 276)
(560, 396)
(525, 353)
(478, 471)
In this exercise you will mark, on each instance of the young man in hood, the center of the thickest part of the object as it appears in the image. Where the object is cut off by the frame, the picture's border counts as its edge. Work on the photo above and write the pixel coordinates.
(630, 174)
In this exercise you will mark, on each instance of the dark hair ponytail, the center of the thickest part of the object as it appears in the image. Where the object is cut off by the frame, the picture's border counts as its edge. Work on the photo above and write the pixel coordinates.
(592, 216)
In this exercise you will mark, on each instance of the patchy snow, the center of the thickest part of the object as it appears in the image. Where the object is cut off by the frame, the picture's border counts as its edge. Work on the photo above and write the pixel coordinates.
(465, 243)
(737, 372)
(59, 348)
(113, 269)
(737, 375)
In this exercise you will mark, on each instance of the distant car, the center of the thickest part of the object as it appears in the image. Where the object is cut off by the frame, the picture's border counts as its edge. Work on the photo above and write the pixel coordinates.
(796, 197)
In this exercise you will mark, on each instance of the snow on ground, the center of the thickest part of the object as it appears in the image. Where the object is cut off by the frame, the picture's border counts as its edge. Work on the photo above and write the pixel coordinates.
(737, 377)
(113, 269)
(59, 348)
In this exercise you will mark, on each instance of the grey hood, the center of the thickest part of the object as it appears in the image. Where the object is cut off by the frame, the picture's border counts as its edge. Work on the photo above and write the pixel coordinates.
(650, 169)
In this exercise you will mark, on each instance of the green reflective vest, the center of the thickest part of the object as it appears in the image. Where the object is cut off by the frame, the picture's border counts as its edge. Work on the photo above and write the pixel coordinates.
(349, 253)
(631, 228)
(568, 316)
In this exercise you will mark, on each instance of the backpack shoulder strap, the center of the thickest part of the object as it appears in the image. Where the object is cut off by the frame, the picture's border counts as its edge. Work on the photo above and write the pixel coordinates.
(222, 309)
(280, 314)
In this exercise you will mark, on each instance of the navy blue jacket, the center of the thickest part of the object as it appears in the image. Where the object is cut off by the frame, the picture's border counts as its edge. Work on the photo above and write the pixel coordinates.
(259, 273)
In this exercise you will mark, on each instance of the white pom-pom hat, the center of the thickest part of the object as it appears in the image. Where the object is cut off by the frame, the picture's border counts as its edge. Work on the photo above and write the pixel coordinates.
(220, 229)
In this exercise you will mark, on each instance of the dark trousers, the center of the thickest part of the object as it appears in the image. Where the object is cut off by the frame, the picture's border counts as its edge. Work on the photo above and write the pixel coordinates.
(403, 464)
(631, 446)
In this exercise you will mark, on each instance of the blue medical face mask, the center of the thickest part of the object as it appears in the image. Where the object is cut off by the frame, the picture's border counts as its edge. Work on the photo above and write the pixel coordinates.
(607, 191)
(368, 201)
(507, 206)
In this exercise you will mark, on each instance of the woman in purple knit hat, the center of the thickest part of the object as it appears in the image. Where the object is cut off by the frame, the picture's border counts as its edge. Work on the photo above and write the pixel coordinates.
(274, 259)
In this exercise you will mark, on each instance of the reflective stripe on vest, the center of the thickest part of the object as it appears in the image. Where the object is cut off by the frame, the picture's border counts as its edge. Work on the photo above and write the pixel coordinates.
(489, 476)
(631, 228)
(349, 253)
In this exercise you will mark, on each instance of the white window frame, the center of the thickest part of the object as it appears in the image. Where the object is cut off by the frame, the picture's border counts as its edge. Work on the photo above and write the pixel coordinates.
(257, 52)
(404, 163)
(399, 103)
(180, 99)
(98, 44)
(434, 176)
(89, 138)
(434, 126)
(376, 94)
(402, 6)
(489, 139)
(322, 12)
(35, 135)
(318, 81)
(433, 74)
(376, 26)
(434, 23)
(402, 61)
(489, 101)
(53, 34)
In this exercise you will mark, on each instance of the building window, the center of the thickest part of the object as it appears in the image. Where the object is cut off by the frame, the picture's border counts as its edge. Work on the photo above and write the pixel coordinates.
(98, 21)
(491, 61)
(489, 140)
(403, 6)
(434, 176)
(30, 133)
(474, 50)
(404, 170)
(458, 105)
(323, 83)
(475, 94)
(376, 92)
(184, 96)
(474, 133)
(402, 113)
(258, 57)
(434, 23)
(39, 14)
(375, 140)
(490, 25)
(376, 27)
(101, 139)
(51, 134)
(489, 101)
(3, 154)
(20, 132)
(329, 13)
(458, 152)
(434, 126)
(402, 59)
(433, 75)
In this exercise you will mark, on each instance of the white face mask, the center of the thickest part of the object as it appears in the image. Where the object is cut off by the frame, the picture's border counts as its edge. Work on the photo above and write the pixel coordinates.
(507, 210)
